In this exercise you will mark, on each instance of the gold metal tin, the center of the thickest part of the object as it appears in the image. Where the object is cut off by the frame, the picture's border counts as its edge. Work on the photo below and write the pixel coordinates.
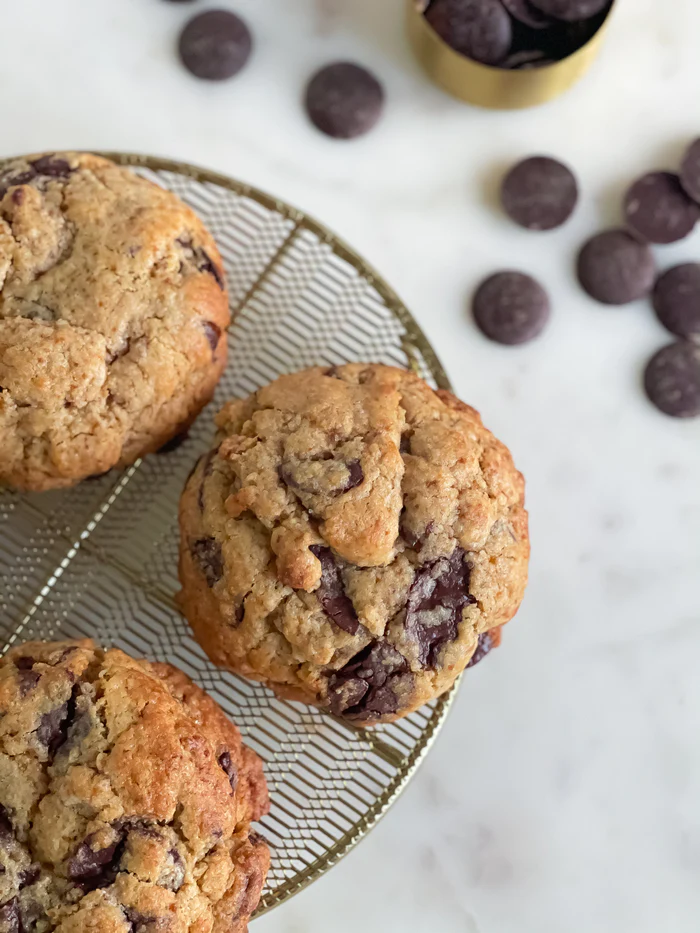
(100, 560)
(495, 88)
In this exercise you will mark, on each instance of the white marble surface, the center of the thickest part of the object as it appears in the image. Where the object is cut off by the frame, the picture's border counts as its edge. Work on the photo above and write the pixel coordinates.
(564, 792)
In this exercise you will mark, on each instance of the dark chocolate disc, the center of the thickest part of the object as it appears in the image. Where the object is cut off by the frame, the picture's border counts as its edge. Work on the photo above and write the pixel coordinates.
(539, 193)
(690, 171)
(215, 45)
(344, 100)
(677, 300)
(527, 14)
(479, 29)
(658, 209)
(570, 10)
(511, 308)
(614, 267)
(672, 380)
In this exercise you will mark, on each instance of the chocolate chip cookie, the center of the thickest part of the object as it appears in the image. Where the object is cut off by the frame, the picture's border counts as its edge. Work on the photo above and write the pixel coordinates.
(113, 309)
(126, 798)
(353, 539)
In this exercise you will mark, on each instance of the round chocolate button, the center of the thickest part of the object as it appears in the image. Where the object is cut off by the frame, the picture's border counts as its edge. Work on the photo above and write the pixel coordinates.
(539, 193)
(672, 380)
(479, 29)
(690, 171)
(527, 14)
(571, 10)
(614, 267)
(215, 45)
(511, 308)
(677, 300)
(344, 100)
(658, 209)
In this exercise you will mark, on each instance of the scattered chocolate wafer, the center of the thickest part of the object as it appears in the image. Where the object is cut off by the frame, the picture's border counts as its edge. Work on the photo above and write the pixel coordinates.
(511, 308)
(677, 300)
(690, 171)
(658, 209)
(479, 29)
(570, 10)
(215, 45)
(614, 267)
(344, 100)
(539, 193)
(672, 380)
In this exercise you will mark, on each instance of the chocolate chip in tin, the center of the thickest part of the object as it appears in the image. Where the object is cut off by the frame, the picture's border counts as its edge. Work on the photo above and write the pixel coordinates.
(570, 10)
(479, 29)
(690, 171)
(672, 380)
(539, 193)
(526, 58)
(658, 209)
(615, 267)
(677, 300)
(524, 12)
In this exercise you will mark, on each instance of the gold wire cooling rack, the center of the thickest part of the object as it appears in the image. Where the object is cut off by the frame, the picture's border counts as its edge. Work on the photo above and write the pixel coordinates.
(100, 560)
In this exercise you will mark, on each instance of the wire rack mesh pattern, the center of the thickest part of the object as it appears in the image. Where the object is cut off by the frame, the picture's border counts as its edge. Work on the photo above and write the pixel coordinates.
(100, 560)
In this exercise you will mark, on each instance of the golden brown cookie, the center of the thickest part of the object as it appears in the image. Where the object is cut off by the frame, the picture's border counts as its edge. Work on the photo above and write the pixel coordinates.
(112, 317)
(126, 798)
(352, 540)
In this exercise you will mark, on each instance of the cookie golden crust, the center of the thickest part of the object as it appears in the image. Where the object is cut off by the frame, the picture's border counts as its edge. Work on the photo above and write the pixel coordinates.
(125, 798)
(113, 310)
(352, 540)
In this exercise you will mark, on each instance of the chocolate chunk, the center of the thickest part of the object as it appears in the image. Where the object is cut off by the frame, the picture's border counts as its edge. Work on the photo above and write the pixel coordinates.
(487, 641)
(6, 829)
(539, 193)
(614, 267)
(479, 29)
(177, 875)
(215, 45)
(29, 876)
(659, 210)
(677, 300)
(439, 593)
(571, 10)
(690, 171)
(511, 308)
(25, 663)
(10, 920)
(27, 681)
(331, 593)
(344, 100)
(527, 14)
(207, 553)
(367, 683)
(230, 769)
(95, 868)
(9, 180)
(53, 726)
(212, 332)
(52, 167)
(143, 923)
(672, 380)
(322, 476)
(207, 264)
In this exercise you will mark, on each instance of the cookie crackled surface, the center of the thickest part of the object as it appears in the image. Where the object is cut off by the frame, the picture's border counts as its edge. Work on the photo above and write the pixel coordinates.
(355, 540)
(113, 309)
(126, 798)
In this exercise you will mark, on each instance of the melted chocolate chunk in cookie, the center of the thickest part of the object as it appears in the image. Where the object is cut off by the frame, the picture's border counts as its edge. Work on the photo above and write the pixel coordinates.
(487, 641)
(436, 599)
(331, 592)
(53, 726)
(229, 768)
(207, 553)
(366, 685)
(321, 476)
(95, 868)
